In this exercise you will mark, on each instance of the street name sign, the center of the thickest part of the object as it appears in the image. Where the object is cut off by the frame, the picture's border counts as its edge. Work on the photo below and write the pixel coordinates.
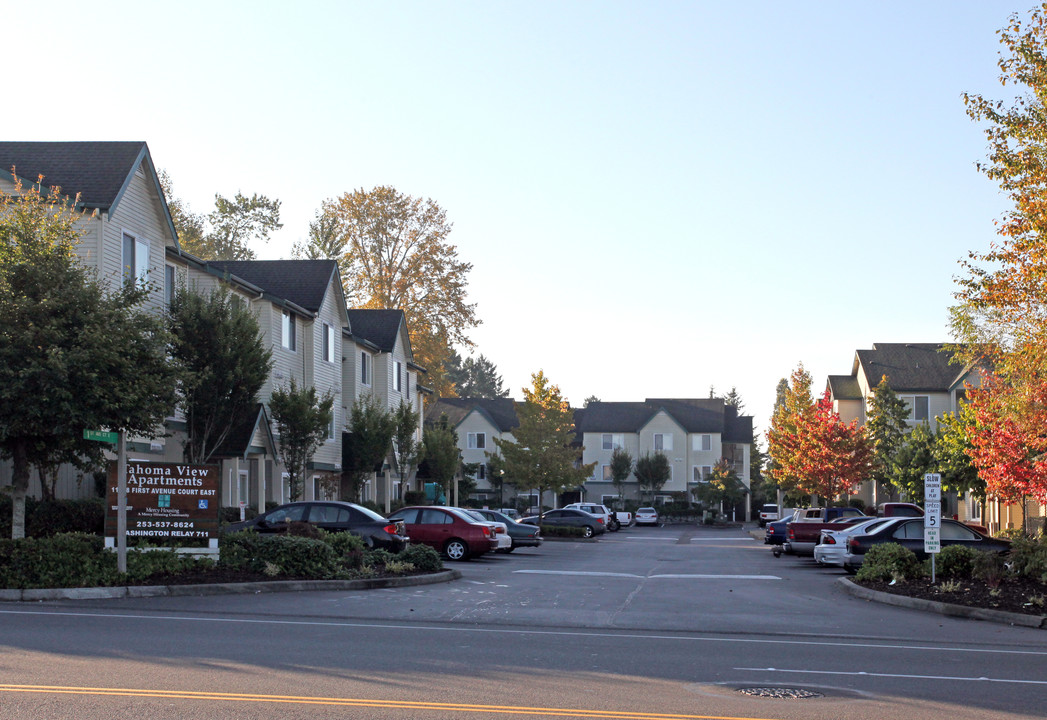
(101, 436)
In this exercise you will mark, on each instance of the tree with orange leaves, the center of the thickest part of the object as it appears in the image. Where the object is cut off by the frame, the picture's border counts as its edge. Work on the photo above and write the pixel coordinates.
(1001, 316)
(832, 457)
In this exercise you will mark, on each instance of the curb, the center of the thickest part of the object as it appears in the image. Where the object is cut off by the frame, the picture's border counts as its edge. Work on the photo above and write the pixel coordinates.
(961, 611)
(251, 588)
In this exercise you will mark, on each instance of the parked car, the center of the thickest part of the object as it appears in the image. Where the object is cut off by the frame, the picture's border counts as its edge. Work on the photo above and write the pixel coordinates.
(455, 534)
(776, 531)
(832, 546)
(521, 535)
(610, 519)
(908, 532)
(333, 516)
(646, 516)
(499, 528)
(768, 513)
(898, 509)
(569, 517)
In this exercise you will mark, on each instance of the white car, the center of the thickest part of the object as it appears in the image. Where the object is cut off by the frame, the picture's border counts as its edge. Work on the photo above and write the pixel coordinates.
(832, 544)
(499, 531)
(646, 516)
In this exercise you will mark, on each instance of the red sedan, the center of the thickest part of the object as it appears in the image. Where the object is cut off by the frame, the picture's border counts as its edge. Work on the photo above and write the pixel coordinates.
(448, 530)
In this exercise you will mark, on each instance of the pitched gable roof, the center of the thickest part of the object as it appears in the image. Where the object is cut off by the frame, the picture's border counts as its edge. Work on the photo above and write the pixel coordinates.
(302, 282)
(909, 367)
(844, 387)
(238, 442)
(500, 412)
(379, 326)
(694, 415)
(99, 171)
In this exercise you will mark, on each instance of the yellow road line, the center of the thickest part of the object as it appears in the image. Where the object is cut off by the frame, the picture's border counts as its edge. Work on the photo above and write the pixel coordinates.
(359, 702)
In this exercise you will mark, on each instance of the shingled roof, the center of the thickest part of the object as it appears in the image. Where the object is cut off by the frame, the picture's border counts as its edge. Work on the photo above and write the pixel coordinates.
(302, 282)
(500, 411)
(99, 171)
(909, 367)
(379, 326)
(845, 387)
(695, 415)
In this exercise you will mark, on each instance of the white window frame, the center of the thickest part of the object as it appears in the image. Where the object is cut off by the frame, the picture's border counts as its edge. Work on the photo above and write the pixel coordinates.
(702, 443)
(398, 368)
(170, 281)
(666, 442)
(134, 258)
(365, 369)
(606, 473)
(328, 343)
(910, 403)
(611, 441)
(473, 437)
(288, 337)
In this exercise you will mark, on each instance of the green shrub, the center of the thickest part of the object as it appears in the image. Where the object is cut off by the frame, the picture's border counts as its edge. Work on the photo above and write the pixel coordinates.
(65, 560)
(293, 556)
(989, 567)
(46, 518)
(954, 561)
(343, 543)
(1029, 558)
(423, 557)
(889, 561)
(378, 558)
(144, 564)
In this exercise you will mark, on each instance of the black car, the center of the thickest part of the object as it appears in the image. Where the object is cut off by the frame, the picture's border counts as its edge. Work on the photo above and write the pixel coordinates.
(909, 533)
(566, 517)
(333, 516)
(522, 535)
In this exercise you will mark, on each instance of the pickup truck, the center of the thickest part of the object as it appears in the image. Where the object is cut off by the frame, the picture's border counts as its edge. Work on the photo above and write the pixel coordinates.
(803, 532)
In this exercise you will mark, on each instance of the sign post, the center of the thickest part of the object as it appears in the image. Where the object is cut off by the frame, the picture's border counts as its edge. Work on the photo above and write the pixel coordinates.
(932, 518)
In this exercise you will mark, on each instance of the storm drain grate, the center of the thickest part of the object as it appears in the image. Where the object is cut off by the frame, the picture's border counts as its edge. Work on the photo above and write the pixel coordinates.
(781, 693)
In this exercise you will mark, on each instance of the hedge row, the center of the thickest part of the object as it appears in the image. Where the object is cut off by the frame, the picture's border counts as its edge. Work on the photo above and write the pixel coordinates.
(46, 518)
(73, 560)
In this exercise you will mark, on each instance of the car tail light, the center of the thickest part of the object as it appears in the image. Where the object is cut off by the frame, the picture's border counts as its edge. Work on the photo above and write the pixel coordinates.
(392, 529)
(828, 540)
(770, 530)
(487, 530)
(792, 534)
(599, 520)
(852, 545)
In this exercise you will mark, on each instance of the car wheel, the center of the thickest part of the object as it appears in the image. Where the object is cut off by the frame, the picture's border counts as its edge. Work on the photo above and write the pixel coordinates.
(509, 549)
(587, 531)
(456, 550)
(614, 526)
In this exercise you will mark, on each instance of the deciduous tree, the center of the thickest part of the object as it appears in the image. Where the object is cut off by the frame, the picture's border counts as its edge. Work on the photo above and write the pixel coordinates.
(542, 456)
(652, 471)
(722, 488)
(621, 468)
(407, 449)
(831, 457)
(366, 444)
(75, 354)
(217, 342)
(303, 419)
(396, 255)
(794, 405)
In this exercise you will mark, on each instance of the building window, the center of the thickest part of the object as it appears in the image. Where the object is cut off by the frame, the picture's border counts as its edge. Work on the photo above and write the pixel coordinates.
(919, 407)
(481, 471)
(288, 331)
(610, 441)
(331, 427)
(328, 341)
(697, 474)
(663, 441)
(702, 443)
(169, 284)
(365, 369)
(398, 368)
(135, 259)
(477, 441)
(607, 473)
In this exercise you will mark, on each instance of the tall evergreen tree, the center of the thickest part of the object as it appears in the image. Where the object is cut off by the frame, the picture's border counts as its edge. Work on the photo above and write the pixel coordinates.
(886, 428)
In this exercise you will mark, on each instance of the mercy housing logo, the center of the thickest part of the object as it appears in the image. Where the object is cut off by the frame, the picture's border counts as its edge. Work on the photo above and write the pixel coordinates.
(166, 500)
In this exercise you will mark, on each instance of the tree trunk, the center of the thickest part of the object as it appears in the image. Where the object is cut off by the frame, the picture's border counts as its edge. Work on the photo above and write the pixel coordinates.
(20, 485)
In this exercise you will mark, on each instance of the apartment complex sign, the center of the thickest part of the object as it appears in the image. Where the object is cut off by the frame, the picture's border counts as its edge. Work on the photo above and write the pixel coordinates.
(166, 501)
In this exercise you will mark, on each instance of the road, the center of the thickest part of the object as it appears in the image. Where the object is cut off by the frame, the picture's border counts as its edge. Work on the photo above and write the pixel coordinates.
(674, 622)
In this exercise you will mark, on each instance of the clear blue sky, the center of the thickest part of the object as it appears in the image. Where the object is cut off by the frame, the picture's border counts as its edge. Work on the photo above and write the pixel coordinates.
(656, 197)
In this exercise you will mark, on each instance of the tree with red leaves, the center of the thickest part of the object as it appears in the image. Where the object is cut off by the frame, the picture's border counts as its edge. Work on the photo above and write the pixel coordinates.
(833, 457)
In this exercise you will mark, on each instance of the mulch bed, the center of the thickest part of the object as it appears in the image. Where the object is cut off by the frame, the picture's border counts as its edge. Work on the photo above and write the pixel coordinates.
(1017, 595)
